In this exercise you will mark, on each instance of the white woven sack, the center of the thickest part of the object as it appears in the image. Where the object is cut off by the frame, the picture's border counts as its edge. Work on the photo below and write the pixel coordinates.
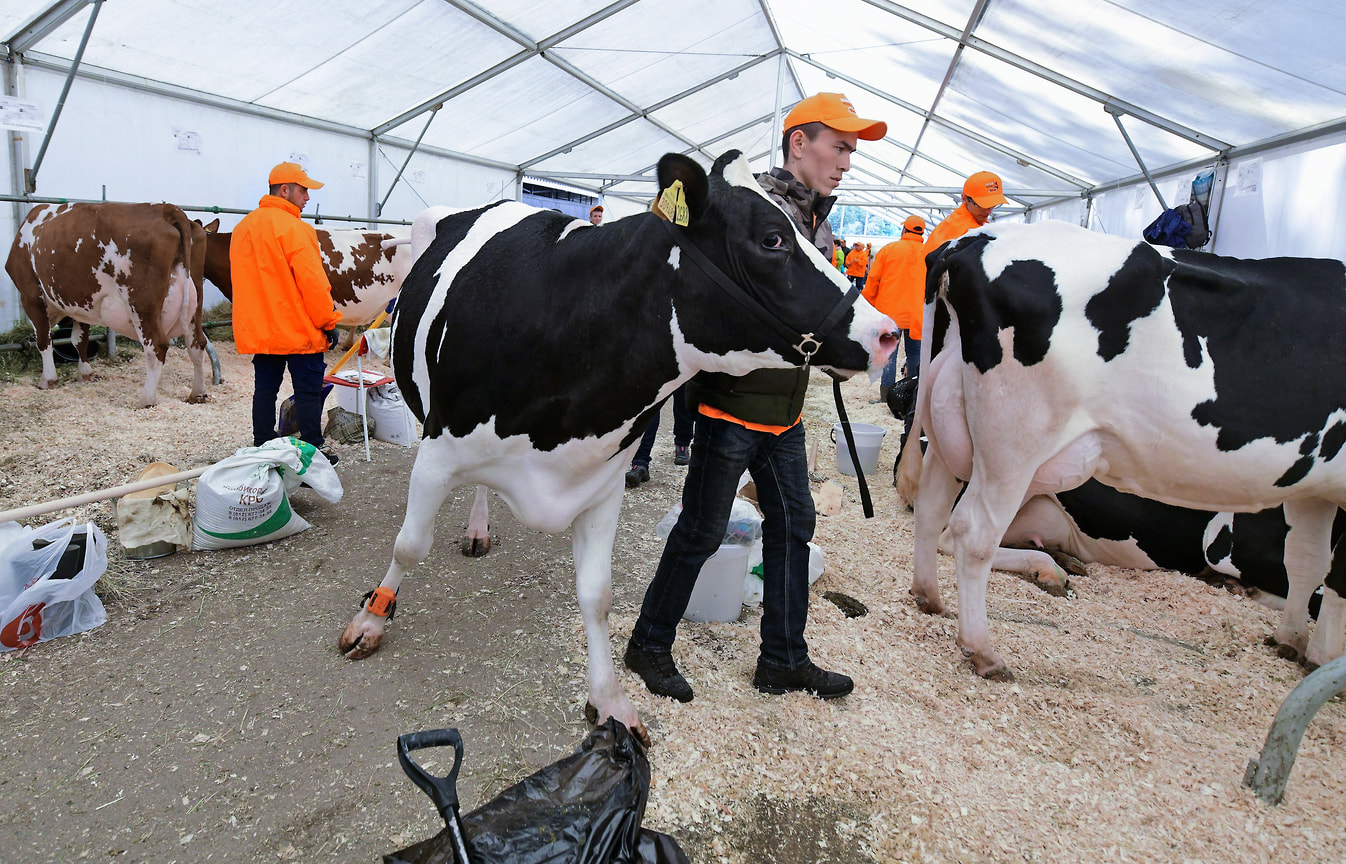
(244, 499)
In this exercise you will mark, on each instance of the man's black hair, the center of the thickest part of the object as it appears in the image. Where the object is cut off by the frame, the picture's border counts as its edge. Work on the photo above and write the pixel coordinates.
(810, 131)
(275, 188)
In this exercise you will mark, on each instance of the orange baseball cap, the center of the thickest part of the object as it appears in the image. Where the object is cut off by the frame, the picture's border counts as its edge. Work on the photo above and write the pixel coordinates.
(914, 224)
(598, 207)
(292, 172)
(984, 188)
(835, 111)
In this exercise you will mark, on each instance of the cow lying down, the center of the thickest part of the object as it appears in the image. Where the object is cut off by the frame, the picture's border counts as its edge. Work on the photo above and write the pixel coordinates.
(1096, 524)
(1059, 354)
(535, 348)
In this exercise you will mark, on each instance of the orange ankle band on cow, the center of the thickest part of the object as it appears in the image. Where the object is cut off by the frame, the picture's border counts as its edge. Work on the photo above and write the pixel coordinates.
(381, 602)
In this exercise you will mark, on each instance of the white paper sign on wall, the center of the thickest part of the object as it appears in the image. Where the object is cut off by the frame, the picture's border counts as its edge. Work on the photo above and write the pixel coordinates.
(1249, 179)
(187, 141)
(21, 115)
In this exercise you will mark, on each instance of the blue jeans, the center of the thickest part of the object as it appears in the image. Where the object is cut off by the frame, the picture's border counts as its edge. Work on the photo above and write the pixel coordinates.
(720, 452)
(912, 347)
(306, 374)
(682, 428)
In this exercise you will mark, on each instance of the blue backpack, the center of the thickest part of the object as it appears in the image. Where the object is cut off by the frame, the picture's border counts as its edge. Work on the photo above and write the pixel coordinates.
(1184, 226)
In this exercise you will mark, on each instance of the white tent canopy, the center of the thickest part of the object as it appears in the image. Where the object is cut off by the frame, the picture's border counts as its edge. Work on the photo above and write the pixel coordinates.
(190, 101)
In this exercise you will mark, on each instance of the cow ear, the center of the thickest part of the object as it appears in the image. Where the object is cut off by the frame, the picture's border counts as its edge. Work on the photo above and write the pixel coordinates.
(695, 186)
(212, 227)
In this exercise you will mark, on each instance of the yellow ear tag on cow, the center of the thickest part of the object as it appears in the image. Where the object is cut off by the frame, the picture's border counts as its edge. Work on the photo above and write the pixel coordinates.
(673, 204)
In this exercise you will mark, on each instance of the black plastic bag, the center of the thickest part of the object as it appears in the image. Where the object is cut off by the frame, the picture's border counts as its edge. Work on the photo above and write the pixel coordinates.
(584, 809)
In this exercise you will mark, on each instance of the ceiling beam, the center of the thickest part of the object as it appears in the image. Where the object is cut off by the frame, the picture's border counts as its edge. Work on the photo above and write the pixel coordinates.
(530, 49)
(644, 112)
(1106, 99)
(1023, 158)
(43, 24)
(172, 91)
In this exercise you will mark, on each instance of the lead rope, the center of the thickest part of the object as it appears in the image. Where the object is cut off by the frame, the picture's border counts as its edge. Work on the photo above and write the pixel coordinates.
(865, 501)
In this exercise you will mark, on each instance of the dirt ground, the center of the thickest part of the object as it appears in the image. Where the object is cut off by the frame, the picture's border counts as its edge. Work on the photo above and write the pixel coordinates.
(212, 718)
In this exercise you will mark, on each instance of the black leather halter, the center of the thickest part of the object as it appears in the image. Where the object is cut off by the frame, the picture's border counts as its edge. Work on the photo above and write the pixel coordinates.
(808, 343)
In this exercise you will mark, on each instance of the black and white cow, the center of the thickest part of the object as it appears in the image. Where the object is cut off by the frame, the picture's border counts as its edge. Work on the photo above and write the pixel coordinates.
(1201, 381)
(536, 347)
(1096, 524)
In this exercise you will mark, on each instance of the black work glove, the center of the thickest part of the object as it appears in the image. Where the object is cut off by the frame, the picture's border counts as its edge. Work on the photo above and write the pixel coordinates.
(331, 338)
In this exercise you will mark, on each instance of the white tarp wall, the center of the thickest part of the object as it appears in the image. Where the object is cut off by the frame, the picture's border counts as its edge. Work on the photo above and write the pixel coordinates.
(135, 146)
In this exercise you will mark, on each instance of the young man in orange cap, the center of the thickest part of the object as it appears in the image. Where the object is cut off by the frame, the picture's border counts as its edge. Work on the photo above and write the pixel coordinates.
(596, 214)
(896, 287)
(982, 193)
(283, 309)
(752, 422)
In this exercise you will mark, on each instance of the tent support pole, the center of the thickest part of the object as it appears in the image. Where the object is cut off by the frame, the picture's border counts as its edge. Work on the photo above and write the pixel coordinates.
(1117, 117)
(410, 153)
(31, 184)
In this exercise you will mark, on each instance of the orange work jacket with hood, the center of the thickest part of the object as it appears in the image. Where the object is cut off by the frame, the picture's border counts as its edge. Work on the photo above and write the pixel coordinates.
(857, 261)
(896, 284)
(282, 299)
(956, 225)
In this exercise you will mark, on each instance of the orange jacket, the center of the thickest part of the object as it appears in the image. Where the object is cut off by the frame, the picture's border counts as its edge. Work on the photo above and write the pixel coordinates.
(958, 223)
(896, 284)
(282, 299)
(857, 261)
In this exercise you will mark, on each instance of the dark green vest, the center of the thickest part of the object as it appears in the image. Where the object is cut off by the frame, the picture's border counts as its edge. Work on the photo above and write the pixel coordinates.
(773, 397)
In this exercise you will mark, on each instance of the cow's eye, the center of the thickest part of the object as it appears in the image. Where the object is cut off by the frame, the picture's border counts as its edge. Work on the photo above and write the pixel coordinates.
(773, 241)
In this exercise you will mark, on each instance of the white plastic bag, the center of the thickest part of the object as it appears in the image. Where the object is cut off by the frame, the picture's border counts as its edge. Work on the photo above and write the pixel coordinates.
(35, 605)
(244, 499)
(744, 528)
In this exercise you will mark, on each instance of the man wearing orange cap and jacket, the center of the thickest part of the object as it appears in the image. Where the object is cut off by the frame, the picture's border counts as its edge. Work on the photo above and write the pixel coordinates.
(857, 264)
(283, 309)
(982, 193)
(896, 287)
(752, 422)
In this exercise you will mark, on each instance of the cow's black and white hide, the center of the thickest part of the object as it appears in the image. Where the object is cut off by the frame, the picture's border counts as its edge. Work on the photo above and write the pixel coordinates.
(536, 347)
(1096, 524)
(1205, 382)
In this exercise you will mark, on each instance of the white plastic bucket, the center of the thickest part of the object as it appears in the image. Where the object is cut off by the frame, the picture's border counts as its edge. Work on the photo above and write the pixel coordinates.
(718, 595)
(868, 440)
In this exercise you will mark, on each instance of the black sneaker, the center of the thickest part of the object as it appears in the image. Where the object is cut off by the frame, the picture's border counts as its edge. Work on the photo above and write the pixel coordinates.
(682, 454)
(637, 475)
(332, 457)
(808, 678)
(658, 671)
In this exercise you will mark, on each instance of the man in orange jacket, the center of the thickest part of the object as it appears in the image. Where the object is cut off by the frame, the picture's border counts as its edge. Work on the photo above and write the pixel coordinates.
(857, 264)
(982, 193)
(283, 309)
(896, 287)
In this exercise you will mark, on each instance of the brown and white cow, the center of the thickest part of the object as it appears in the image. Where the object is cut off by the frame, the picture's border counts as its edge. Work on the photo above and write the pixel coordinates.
(364, 275)
(134, 268)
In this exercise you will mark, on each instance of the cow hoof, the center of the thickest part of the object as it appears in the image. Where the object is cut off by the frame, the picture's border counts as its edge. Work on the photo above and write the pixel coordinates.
(1286, 652)
(358, 642)
(475, 547)
(44, 384)
(930, 607)
(198, 398)
(1068, 563)
(1056, 585)
(1000, 673)
(642, 734)
(143, 404)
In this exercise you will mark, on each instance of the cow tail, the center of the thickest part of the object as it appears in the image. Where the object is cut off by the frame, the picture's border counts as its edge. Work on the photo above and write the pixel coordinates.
(194, 260)
(909, 464)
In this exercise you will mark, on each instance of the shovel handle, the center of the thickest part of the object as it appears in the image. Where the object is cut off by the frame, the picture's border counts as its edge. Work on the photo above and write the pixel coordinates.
(442, 790)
